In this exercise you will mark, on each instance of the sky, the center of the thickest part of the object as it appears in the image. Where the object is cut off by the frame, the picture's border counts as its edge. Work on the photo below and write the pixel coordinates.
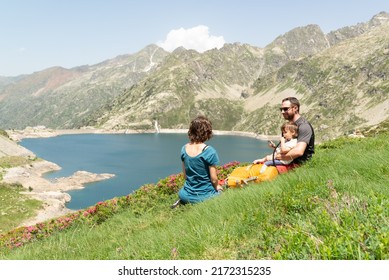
(38, 34)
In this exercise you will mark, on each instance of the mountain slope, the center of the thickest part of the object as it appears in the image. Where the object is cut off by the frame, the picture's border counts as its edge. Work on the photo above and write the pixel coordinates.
(349, 32)
(343, 87)
(188, 83)
(214, 83)
(60, 98)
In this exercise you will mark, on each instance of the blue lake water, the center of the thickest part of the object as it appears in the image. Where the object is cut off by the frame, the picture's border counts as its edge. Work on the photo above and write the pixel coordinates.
(135, 159)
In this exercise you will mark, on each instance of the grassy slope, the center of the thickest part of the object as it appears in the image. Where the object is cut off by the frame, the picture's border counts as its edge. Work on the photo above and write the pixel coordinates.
(14, 206)
(335, 207)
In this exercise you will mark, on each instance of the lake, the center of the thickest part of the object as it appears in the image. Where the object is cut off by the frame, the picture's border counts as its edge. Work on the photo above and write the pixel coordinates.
(135, 159)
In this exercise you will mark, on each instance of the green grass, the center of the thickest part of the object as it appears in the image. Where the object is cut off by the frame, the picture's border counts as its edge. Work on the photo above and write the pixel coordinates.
(4, 133)
(13, 161)
(334, 207)
(15, 207)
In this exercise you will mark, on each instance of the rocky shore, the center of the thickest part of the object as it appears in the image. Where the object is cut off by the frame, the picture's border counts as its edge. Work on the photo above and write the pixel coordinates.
(51, 192)
(30, 176)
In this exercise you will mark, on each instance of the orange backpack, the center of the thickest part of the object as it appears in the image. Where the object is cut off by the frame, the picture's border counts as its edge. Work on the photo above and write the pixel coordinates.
(252, 173)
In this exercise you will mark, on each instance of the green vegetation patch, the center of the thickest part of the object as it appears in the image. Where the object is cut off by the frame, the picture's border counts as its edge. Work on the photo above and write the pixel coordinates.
(13, 161)
(15, 207)
(4, 133)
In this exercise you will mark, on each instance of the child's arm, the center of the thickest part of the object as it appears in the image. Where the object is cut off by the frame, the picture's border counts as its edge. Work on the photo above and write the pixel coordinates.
(271, 144)
(283, 147)
(262, 160)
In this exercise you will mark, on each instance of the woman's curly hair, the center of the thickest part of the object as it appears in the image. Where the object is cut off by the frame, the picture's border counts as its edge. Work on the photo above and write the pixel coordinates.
(200, 130)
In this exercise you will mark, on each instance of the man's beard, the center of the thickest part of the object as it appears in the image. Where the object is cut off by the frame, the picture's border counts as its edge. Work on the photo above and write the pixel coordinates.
(288, 117)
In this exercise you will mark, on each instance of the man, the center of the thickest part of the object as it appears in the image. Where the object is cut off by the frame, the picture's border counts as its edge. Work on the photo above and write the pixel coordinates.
(290, 109)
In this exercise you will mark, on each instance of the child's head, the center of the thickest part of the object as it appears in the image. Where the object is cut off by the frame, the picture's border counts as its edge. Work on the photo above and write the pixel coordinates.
(200, 130)
(289, 130)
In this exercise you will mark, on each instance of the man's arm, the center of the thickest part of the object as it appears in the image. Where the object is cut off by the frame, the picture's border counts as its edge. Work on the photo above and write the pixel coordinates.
(296, 152)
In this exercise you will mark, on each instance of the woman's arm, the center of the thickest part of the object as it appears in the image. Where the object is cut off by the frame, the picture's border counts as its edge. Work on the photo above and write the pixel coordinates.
(183, 170)
(214, 180)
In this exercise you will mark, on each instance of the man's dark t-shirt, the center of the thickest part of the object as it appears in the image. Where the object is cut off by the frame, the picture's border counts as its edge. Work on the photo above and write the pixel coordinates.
(306, 134)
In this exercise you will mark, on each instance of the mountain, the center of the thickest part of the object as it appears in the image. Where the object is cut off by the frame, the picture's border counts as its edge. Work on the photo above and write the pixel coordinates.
(216, 83)
(341, 79)
(348, 32)
(341, 88)
(298, 43)
(188, 83)
(60, 98)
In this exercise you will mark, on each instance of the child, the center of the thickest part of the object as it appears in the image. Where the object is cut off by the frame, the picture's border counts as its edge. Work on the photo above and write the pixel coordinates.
(198, 164)
(288, 141)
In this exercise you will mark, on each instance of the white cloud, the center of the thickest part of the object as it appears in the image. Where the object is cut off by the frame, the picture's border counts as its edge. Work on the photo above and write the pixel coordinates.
(196, 38)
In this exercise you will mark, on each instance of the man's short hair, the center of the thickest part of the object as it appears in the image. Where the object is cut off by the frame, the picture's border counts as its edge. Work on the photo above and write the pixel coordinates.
(293, 101)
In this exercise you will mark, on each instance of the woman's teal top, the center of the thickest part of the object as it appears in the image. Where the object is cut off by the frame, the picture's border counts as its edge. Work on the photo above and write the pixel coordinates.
(198, 186)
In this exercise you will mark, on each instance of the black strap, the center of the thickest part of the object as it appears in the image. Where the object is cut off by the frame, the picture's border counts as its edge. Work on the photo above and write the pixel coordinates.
(274, 162)
(204, 148)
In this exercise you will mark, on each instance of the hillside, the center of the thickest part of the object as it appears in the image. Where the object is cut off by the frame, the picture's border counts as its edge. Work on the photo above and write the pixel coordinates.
(342, 88)
(340, 77)
(9, 148)
(186, 84)
(336, 207)
(60, 98)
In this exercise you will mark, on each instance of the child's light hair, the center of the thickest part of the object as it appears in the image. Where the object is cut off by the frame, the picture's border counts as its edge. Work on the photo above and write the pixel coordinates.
(292, 127)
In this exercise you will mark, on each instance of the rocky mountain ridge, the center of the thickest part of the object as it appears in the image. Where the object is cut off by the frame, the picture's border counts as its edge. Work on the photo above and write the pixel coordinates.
(340, 77)
(342, 88)
(59, 98)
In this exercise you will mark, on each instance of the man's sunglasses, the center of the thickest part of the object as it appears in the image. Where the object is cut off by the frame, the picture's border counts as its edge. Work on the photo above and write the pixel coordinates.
(285, 109)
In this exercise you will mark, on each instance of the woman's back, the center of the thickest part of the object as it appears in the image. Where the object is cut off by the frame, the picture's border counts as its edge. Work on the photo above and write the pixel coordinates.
(199, 164)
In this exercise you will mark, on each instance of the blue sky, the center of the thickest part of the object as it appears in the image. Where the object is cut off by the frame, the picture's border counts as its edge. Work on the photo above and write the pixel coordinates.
(38, 34)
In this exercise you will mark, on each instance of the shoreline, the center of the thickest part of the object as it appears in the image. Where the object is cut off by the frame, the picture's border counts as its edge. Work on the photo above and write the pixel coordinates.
(53, 193)
(18, 135)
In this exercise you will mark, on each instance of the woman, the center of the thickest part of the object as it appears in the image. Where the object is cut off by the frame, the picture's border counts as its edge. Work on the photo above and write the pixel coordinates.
(198, 164)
